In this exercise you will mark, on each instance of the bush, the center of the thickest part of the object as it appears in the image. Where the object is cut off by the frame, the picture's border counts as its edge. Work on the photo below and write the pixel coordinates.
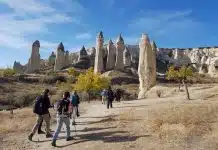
(52, 79)
(22, 100)
(7, 72)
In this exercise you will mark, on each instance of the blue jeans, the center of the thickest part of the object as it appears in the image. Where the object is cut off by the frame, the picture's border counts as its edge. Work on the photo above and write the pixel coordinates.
(60, 121)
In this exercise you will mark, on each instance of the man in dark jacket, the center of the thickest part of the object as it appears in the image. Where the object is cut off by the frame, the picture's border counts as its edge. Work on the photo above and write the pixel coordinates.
(42, 114)
(110, 97)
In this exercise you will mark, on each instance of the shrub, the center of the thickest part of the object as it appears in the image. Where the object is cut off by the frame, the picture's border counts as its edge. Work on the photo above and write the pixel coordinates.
(52, 79)
(72, 72)
(7, 72)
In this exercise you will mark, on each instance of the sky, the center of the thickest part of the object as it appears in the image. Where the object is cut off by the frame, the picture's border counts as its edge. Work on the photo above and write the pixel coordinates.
(170, 23)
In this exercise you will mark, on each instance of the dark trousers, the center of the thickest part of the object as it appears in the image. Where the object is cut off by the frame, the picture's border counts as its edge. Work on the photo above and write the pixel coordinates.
(109, 104)
(40, 126)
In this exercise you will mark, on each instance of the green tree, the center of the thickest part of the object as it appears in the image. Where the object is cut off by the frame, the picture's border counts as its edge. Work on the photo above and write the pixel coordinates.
(91, 82)
(180, 75)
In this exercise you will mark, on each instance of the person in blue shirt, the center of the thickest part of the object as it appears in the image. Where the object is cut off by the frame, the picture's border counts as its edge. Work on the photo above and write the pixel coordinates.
(103, 96)
(75, 101)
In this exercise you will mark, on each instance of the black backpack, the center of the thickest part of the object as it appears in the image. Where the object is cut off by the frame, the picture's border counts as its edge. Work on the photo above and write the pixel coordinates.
(38, 105)
(62, 106)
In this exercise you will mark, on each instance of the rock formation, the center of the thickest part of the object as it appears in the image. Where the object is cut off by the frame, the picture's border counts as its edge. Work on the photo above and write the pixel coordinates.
(99, 54)
(213, 66)
(154, 50)
(120, 46)
(66, 59)
(84, 60)
(111, 55)
(126, 58)
(74, 57)
(51, 59)
(18, 67)
(146, 68)
(203, 65)
(92, 57)
(34, 61)
(60, 58)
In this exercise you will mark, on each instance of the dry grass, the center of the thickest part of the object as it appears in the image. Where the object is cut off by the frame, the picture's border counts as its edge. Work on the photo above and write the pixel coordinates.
(22, 120)
(183, 122)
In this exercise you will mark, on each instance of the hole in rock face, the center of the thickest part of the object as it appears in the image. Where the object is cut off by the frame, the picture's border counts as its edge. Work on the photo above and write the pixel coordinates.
(205, 68)
(216, 64)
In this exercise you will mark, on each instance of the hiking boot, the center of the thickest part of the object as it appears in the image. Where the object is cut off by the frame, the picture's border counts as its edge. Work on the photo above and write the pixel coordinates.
(73, 123)
(53, 143)
(30, 137)
(48, 135)
(41, 132)
(69, 138)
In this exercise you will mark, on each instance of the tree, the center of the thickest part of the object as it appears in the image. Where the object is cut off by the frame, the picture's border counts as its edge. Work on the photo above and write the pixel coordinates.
(72, 72)
(181, 75)
(91, 82)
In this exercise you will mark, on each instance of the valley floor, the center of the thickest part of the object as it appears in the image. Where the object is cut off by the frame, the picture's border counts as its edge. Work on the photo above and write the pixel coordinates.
(177, 124)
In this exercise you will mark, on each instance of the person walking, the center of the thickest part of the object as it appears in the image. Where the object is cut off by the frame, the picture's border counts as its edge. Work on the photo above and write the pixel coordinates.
(63, 116)
(75, 101)
(41, 108)
(110, 97)
(118, 95)
(103, 96)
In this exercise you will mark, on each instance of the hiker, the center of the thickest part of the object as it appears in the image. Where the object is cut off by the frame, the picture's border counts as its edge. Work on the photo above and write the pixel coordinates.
(63, 116)
(41, 106)
(75, 104)
(118, 95)
(110, 97)
(103, 96)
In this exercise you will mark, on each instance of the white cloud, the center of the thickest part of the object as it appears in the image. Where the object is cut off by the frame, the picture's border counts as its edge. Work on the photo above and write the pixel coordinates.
(27, 6)
(31, 18)
(164, 22)
(84, 36)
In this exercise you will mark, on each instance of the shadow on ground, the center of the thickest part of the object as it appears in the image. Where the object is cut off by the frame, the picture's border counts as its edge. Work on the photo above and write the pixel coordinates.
(106, 137)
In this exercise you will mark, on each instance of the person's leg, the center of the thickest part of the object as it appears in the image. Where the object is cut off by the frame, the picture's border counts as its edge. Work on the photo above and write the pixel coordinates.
(77, 111)
(47, 118)
(40, 128)
(57, 131)
(108, 103)
(67, 123)
(102, 99)
(111, 104)
(38, 121)
(74, 115)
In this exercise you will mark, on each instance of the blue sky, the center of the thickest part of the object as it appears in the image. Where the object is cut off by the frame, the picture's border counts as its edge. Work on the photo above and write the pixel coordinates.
(171, 23)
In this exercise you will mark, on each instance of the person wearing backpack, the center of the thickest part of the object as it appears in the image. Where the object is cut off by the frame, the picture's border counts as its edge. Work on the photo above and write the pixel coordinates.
(110, 97)
(41, 106)
(63, 116)
(75, 104)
